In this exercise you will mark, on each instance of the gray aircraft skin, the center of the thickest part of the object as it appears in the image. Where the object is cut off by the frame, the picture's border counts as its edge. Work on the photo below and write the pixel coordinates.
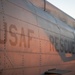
(33, 41)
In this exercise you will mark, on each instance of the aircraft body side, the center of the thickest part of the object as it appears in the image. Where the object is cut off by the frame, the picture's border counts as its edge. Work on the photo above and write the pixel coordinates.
(33, 41)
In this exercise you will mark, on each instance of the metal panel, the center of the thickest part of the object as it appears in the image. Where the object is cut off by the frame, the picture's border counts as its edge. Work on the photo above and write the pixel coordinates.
(31, 60)
(31, 71)
(48, 25)
(19, 63)
(45, 46)
(54, 59)
(21, 27)
(45, 60)
(33, 31)
(16, 26)
(43, 23)
(0, 6)
(1, 22)
(67, 33)
(13, 72)
(67, 67)
(2, 40)
(55, 29)
(19, 13)
(43, 34)
(6, 62)
(9, 7)
(72, 66)
(45, 15)
(19, 2)
(63, 25)
(13, 60)
(1, 60)
(28, 71)
(72, 62)
(50, 60)
(33, 45)
(25, 4)
(29, 17)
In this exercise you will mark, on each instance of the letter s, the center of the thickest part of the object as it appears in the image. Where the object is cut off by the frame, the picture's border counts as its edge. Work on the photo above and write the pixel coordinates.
(13, 35)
